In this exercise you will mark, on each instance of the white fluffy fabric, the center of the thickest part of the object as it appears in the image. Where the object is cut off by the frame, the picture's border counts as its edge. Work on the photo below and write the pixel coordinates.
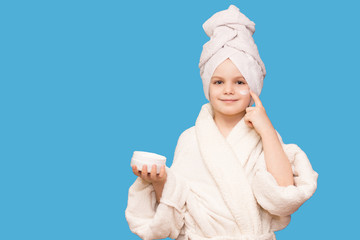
(230, 33)
(219, 188)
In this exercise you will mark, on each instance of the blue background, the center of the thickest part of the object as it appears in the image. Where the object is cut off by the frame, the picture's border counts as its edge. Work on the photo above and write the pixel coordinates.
(83, 84)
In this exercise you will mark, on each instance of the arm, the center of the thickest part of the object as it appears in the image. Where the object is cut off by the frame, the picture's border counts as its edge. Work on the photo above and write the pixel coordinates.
(285, 200)
(158, 190)
(276, 160)
(157, 180)
(277, 189)
(157, 211)
(152, 220)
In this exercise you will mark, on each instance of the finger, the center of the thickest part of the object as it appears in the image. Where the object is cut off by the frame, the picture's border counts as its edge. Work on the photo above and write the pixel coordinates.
(247, 121)
(249, 109)
(144, 171)
(162, 171)
(249, 115)
(134, 169)
(249, 124)
(256, 99)
(153, 171)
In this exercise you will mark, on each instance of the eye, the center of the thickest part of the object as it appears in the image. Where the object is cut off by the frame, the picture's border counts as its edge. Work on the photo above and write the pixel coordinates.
(240, 82)
(218, 81)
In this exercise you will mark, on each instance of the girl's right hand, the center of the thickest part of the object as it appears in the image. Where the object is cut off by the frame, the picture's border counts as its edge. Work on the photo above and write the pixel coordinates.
(152, 177)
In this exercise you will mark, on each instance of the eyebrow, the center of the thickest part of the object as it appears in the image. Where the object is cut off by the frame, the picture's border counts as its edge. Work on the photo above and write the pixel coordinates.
(223, 78)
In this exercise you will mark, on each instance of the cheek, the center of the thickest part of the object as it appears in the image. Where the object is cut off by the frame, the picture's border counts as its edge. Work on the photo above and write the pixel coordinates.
(244, 92)
(211, 92)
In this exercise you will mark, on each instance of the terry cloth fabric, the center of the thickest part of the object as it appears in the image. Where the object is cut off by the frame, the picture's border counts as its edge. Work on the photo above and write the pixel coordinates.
(219, 188)
(230, 33)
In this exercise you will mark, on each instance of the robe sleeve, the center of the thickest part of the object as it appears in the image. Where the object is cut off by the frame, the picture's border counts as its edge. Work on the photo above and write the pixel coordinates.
(281, 200)
(151, 220)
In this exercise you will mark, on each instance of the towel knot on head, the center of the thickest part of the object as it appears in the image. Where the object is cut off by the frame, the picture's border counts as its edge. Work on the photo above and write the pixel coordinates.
(230, 33)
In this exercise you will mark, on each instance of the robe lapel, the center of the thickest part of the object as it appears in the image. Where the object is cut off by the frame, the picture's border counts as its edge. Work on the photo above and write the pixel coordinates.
(246, 144)
(225, 166)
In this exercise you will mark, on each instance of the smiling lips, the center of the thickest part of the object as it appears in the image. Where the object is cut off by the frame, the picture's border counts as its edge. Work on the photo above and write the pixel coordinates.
(228, 100)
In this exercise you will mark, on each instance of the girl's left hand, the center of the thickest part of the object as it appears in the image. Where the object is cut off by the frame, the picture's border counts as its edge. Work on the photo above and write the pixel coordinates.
(256, 117)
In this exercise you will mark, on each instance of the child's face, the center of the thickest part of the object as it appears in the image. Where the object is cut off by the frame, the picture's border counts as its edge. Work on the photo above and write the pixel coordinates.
(226, 83)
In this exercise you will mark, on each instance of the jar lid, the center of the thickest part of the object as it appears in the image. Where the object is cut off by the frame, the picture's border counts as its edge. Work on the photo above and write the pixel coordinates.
(149, 157)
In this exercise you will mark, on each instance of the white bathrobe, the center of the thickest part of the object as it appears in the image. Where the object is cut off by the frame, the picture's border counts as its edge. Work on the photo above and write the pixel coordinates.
(219, 188)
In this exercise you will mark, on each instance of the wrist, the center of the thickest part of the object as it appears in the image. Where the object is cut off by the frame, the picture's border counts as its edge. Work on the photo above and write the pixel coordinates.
(269, 130)
(159, 183)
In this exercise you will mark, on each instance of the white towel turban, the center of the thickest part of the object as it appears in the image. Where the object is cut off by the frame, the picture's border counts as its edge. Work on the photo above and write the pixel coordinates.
(230, 33)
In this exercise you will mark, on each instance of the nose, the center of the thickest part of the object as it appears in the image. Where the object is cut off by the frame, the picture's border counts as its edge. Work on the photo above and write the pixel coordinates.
(228, 88)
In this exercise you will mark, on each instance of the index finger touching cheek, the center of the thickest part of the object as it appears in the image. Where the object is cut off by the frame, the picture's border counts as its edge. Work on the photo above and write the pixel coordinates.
(256, 98)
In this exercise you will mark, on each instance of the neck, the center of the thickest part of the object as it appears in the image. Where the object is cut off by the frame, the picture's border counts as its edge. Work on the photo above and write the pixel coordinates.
(226, 122)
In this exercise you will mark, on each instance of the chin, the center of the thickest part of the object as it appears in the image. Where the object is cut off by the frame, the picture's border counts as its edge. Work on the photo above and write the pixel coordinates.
(232, 112)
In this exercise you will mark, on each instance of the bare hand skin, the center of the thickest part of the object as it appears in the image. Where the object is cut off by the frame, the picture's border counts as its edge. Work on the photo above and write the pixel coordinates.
(157, 180)
(256, 116)
(276, 160)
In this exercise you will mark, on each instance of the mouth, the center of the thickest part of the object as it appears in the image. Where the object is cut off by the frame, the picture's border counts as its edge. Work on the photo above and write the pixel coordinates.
(229, 100)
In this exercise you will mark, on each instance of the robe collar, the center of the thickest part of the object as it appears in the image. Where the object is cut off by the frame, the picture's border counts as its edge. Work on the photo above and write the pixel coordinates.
(224, 159)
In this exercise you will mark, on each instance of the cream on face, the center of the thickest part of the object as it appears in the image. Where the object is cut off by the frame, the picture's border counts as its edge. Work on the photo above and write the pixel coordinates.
(244, 92)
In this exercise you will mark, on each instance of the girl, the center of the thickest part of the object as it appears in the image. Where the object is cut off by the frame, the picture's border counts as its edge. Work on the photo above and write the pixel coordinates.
(232, 177)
